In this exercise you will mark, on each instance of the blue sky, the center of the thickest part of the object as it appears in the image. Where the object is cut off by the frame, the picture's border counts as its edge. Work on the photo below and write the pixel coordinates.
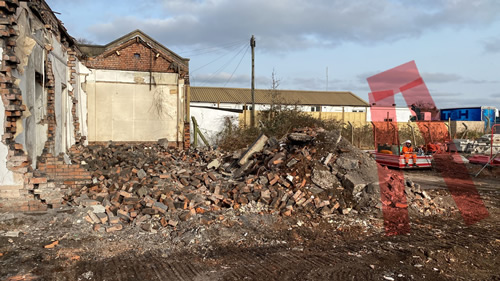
(455, 43)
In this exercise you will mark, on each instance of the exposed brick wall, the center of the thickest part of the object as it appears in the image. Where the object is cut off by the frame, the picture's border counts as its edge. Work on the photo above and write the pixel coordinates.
(17, 161)
(13, 198)
(127, 59)
(56, 177)
(50, 118)
(187, 136)
(46, 186)
(76, 122)
(60, 179)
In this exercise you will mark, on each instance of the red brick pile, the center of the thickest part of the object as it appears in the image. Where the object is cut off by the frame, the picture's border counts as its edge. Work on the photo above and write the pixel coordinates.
(310, 171)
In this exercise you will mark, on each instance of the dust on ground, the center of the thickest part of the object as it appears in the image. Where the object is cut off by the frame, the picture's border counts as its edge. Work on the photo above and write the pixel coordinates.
(253, 246)
(252, 243)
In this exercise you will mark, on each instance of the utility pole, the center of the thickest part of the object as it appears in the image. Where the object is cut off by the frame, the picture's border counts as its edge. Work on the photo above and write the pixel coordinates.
(252, 117)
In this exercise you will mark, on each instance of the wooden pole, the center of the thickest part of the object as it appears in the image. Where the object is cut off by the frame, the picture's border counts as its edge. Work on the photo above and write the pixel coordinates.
(252, 119)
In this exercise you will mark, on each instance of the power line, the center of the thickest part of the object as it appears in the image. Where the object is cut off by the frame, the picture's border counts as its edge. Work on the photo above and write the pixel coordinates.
(223, 66)
(201, 51)
(246, 50)
(218, 58)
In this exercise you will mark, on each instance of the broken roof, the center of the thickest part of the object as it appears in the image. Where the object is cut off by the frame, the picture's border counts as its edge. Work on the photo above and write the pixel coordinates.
(244, 96)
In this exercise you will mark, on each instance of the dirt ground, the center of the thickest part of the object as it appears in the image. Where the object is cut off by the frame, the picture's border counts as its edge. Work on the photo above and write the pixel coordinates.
(248, 245)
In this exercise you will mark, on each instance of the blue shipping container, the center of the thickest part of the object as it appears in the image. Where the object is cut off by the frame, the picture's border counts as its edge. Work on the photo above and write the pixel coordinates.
(489, 117)
(484, 113)
(462, 114)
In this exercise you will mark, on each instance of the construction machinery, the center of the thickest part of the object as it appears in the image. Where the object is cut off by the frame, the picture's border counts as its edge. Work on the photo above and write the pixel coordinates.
(388, 149)
(494, 158)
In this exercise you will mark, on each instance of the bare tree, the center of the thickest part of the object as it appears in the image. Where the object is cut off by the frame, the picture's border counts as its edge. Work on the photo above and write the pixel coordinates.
(84, 41)
(276, 99)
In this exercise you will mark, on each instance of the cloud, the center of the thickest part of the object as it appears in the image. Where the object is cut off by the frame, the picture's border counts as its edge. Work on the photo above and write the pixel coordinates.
(492, 45)
(462, 100)
(283, 25)
(219, 79)
(225, 79)
(475, 81)
(312, 83)
(439, 77)
(437, 94)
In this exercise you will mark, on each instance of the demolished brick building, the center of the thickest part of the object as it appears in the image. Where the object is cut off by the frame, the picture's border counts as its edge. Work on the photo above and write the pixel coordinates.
(56, 94)
(137, 91)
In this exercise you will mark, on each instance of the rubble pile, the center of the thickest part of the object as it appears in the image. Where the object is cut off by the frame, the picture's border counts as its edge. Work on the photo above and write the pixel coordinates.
(310, 171)
(404, 193)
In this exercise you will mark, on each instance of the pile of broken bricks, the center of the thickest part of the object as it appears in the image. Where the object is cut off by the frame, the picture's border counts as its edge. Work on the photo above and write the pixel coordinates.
(310, 171)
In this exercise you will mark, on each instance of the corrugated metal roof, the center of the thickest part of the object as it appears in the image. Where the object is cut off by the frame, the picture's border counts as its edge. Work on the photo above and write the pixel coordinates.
(244, 96)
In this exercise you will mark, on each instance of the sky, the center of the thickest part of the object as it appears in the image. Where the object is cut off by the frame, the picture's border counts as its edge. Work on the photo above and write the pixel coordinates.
(313, 44)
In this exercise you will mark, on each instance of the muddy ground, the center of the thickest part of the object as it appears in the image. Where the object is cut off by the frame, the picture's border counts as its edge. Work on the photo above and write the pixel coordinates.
(248, 245)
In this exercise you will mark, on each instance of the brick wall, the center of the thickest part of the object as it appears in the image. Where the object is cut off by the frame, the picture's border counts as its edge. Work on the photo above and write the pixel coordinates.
(56, 179)
(72, 68)
(187, 136)
(46, 186)
(134, 56)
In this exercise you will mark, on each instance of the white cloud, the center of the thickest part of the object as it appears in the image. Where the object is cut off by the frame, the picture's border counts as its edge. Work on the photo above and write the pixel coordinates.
(225, 79)
(283, 25)
(492, 45)
(439, 77)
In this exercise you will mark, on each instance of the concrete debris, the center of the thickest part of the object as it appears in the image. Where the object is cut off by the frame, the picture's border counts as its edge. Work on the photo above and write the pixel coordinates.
(163, 143)
(12, 234)
(484, 145)
(149, 186)
(256, 147)
(215, 164)
(300, 137)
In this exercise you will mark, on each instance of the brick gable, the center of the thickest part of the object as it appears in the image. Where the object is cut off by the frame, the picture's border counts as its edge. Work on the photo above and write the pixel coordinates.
(134, 56)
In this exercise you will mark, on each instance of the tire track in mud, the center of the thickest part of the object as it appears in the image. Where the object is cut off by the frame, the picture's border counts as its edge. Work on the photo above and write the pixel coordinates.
(235, 264)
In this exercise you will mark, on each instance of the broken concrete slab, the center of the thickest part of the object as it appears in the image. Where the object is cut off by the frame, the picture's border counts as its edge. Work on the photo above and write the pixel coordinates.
(163, 143)
(215, 164)
(97, 209)
(325, 179)
(353, 183)
(257, 146)
(141, 174)
(300, 137)
(347, 163)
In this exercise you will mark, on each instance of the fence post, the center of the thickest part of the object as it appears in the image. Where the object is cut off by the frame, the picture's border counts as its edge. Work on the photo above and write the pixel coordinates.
(352, 132)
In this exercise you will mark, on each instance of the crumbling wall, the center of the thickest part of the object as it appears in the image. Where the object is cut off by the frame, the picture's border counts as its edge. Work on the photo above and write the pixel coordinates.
(14, 162)
(35, 80)
(30, 73)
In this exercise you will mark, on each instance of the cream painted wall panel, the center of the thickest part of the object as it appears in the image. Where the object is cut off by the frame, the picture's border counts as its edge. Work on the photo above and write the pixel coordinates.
(82, 96)
(104, 111)
(123, 130)
(91, 111)
(123, 103)
(145, 103)
(147, 130)
(122, 106)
